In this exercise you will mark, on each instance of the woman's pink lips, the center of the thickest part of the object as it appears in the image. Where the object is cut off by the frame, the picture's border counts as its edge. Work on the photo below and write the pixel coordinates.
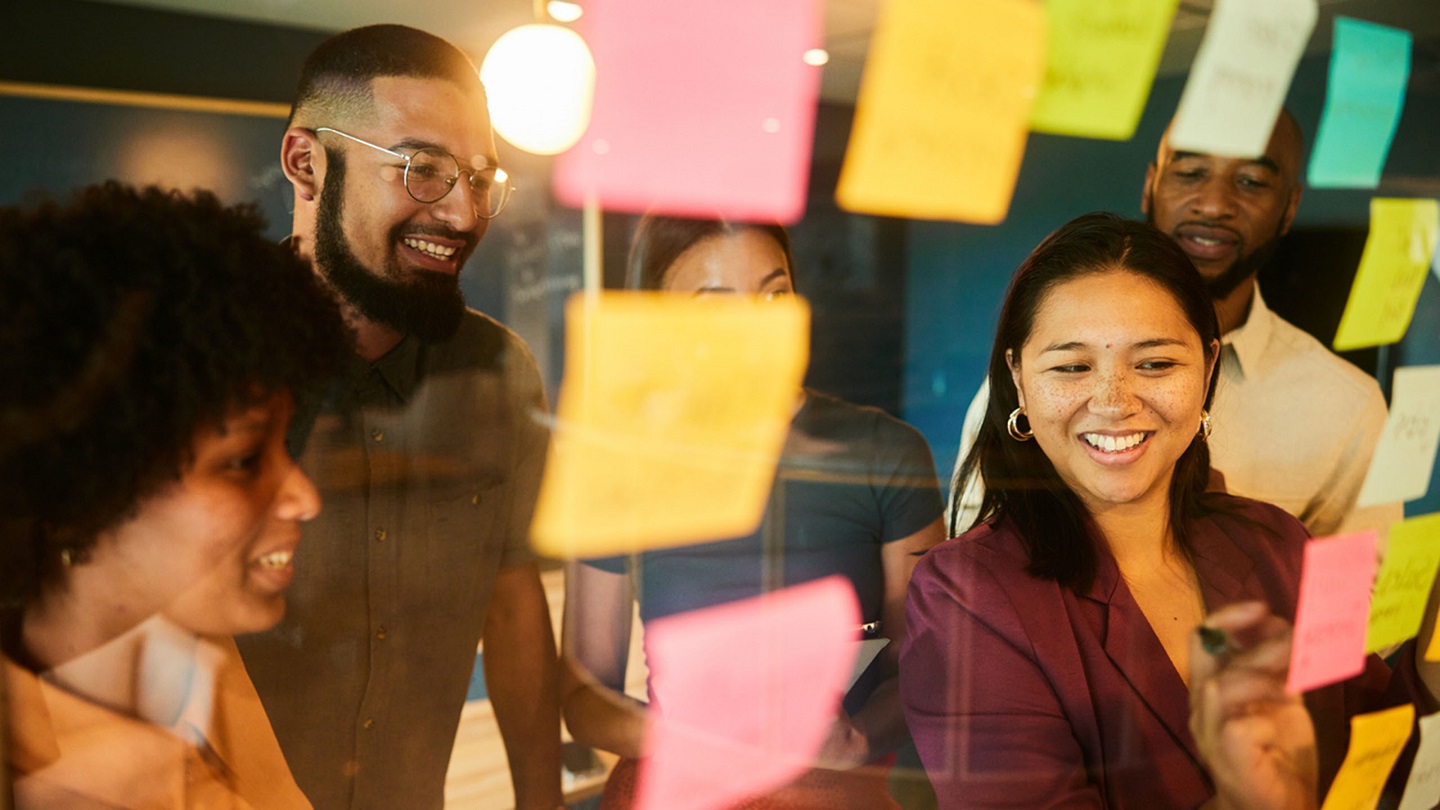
(275, 578)
(1118, 457)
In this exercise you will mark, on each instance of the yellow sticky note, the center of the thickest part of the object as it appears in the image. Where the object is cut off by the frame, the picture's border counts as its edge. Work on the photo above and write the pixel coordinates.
(1376, 740)
(1403, 586)
(1100, 65)
(941, 119)
(672, 415)
(1392, 271)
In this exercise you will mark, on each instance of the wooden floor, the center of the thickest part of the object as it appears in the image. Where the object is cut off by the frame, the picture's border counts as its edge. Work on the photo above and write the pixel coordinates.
(479, 778)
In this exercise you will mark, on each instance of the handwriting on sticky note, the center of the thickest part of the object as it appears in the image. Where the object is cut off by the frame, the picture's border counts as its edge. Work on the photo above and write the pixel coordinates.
(1369, 68)
(1331, 615)
(1240, 76)
(701, 109)
(1404, 457)
(1376, 740)
(1392, 271)
(745, 694)
(1101, 60)
(1403, 585)
(1422, 790)
(941, 119)
(672, 415)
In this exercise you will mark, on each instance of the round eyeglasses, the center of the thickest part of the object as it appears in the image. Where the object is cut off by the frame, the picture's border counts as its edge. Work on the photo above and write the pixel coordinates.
(431, 172)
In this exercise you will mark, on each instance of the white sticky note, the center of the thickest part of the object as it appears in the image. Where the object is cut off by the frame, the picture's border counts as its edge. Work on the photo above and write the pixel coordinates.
(1422, 792)
(1405, 454)
(1241, 75)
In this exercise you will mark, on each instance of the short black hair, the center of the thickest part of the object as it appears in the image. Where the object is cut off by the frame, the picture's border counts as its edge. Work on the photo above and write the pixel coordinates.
(336, 77)
(659, 241)
(131, 319)
(1021, 484)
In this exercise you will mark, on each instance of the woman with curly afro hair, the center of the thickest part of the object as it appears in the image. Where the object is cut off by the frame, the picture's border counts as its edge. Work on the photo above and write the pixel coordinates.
(154, 350)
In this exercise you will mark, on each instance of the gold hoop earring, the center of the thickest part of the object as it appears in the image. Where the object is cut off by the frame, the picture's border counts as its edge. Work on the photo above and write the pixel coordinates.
(1204, 425)
(1013, 428)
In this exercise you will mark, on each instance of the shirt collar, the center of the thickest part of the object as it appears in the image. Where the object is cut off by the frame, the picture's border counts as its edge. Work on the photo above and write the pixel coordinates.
(398, 368)
(1249, 339)
(1222, 567)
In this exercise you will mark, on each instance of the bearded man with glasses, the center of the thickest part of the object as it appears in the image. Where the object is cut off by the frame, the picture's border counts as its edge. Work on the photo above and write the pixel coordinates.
(428, 457)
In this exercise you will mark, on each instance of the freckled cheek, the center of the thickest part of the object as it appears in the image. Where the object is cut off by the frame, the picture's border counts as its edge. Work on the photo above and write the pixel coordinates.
(1181, 401)
(1051, 409)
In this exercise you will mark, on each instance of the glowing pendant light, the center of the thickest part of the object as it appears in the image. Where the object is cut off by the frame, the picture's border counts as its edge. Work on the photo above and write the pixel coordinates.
(540, 79)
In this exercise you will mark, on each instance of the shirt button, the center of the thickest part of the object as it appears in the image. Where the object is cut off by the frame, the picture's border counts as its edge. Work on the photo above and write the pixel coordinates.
(380, 535)
(380, 634)
(475, 499)
(377, 434)
(368, 724)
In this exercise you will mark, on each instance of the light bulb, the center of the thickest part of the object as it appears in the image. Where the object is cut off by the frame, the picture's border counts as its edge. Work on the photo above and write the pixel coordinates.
(540, 80)
(563, 10)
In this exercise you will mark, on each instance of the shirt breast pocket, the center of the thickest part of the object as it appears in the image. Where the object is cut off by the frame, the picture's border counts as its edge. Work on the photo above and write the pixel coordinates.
(465, 527)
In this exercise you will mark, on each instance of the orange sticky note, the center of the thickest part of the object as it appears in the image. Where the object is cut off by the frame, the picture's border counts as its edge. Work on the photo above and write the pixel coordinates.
(1387, 286)
(943, 111)
(701, 109)
(1333, 611)
(745, 694)
(1432, 652)
(672, 416)
(1376, 740)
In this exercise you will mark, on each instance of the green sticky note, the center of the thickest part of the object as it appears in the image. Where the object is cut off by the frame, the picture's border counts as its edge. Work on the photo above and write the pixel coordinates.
(1369, 68)
(1404, 582)
(1392, 271)
(1101, 61)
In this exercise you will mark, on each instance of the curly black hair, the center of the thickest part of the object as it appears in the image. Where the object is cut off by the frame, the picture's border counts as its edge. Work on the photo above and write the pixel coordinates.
(129, 320)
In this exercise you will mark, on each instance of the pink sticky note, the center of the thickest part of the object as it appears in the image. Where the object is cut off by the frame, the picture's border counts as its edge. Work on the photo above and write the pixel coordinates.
(744, 694)
(1334, 611)
(701, 109)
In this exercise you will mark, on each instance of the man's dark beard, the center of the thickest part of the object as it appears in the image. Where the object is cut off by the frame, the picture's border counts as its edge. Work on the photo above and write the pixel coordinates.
(1239, 270)
(427, 304)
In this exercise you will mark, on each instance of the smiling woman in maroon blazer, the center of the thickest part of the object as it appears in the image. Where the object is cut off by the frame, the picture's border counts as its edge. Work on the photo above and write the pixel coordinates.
(1048, 650)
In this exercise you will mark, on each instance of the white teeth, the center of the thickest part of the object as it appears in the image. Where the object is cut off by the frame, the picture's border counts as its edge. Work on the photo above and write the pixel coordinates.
(1205, 240)
(438, 251)
(1111, 444)
(276, 559)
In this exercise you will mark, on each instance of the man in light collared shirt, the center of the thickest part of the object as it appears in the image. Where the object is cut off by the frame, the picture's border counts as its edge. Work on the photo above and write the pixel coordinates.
(1294, 425)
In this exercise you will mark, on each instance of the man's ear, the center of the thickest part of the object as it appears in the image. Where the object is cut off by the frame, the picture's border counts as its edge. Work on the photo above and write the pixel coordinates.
(1291, 206)
(300, 157)
(1145, 193)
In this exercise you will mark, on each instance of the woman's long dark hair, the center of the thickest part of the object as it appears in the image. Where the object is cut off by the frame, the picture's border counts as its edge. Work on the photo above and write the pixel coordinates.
(1021, 484)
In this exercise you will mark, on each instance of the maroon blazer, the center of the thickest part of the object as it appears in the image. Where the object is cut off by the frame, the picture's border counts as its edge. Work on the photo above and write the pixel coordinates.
(1022, 693)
